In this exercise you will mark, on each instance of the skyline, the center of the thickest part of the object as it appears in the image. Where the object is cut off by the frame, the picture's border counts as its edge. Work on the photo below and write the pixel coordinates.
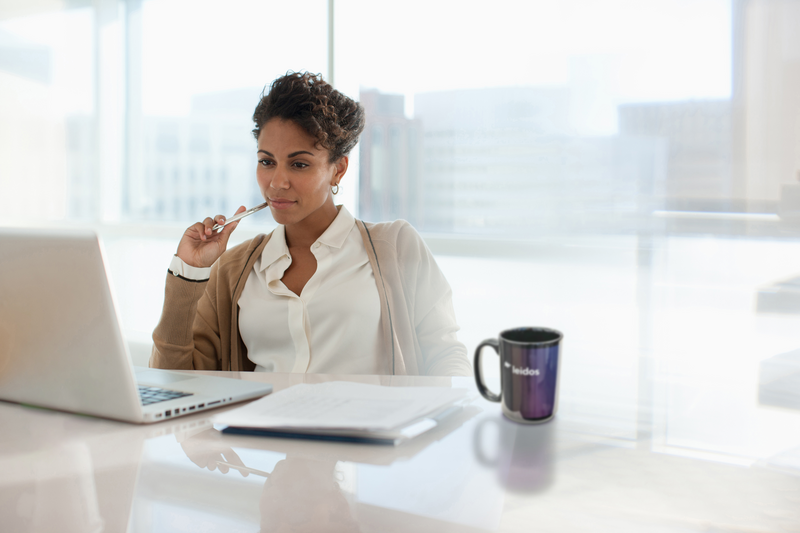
(596, 72)
(683, 49)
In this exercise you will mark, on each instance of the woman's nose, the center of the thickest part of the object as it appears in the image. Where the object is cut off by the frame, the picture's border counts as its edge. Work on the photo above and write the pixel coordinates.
(279, 179)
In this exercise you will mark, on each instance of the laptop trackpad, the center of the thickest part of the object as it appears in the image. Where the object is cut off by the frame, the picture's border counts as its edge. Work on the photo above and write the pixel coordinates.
(160, 378)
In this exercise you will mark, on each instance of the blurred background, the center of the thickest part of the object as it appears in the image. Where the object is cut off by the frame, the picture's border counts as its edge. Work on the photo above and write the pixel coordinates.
(627, 171)
(531, 119)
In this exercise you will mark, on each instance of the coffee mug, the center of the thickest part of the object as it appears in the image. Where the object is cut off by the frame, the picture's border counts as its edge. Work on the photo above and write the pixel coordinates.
(528, 373)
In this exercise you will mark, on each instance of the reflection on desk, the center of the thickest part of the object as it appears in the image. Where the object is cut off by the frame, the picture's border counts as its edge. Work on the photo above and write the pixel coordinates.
(476, 472)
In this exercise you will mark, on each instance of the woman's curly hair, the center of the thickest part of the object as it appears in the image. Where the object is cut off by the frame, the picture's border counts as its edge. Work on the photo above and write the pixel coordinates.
(332, 118)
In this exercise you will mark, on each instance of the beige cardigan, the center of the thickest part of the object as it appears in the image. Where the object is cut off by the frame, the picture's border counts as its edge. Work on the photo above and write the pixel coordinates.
(199, 326)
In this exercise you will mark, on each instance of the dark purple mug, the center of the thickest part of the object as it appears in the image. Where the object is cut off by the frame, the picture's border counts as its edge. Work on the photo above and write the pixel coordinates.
(528, 373)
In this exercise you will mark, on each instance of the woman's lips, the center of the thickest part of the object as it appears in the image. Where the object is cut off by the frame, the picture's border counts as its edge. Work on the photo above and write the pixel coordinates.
(280, 203)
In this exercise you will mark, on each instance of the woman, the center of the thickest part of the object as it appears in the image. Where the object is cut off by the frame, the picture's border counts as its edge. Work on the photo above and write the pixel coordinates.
(323, 292)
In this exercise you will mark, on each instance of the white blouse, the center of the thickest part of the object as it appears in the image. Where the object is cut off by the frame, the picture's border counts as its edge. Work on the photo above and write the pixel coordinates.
(332, 326)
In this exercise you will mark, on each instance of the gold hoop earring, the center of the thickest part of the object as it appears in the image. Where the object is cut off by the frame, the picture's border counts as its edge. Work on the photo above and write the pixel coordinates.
(335, 189)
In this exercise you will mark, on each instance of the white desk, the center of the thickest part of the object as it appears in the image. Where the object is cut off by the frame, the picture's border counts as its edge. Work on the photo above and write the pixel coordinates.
(581, 472)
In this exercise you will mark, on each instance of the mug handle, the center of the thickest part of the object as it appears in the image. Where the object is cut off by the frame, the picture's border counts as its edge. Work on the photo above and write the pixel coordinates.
(485, 392)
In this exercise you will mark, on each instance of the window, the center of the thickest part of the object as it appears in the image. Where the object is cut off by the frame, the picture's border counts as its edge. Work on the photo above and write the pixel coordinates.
(527, 120)
(617, 142)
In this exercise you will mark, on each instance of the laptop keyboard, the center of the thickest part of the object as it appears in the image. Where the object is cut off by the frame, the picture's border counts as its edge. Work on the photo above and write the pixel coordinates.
(150, 395)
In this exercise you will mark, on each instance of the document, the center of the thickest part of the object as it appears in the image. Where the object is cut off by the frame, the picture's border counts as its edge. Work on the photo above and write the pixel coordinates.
(340, 410)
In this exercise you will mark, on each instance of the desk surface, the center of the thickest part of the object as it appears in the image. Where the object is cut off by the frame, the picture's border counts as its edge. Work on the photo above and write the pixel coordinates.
(603, 464)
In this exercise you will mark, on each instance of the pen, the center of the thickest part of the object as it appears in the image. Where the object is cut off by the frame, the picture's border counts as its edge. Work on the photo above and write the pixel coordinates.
(234, 218)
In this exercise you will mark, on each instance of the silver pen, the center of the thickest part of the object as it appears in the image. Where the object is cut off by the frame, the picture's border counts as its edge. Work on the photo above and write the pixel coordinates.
(234, 218)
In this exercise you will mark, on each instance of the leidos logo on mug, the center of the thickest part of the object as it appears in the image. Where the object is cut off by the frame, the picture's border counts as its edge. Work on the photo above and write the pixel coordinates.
(529, 373)
(522, 371)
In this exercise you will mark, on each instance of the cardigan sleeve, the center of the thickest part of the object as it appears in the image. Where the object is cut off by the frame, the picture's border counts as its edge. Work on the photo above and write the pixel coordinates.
(431, 299)
(443, 353)
(187, 335)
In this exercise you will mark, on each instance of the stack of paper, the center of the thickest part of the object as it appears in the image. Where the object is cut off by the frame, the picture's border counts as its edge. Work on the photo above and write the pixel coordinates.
(345, 411)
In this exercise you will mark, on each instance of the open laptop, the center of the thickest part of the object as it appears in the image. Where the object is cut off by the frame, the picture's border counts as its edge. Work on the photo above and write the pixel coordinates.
(61, 345)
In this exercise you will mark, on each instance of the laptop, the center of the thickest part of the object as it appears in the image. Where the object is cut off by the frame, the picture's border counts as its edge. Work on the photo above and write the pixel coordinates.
(61, 345)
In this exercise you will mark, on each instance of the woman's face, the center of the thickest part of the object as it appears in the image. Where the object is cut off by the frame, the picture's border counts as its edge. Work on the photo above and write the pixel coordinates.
(295, 176)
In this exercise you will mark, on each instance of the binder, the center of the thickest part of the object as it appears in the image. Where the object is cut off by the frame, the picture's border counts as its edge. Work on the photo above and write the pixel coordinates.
(346, 412)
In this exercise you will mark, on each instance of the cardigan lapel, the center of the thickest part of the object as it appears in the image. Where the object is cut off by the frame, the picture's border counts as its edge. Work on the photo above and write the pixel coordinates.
(389, 335)
(238, 361)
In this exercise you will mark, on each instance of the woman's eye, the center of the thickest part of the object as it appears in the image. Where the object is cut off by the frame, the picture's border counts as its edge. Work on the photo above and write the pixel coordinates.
(264, 162)
(298, 164)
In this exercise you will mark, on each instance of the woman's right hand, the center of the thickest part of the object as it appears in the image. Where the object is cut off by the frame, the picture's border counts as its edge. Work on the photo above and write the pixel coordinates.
(200, 246)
